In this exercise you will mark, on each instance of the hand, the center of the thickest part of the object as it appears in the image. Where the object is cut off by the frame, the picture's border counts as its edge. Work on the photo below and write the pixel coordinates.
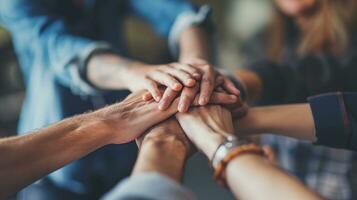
(211, 79)
(191, 96)
(173, 76)
(206, 127)
(167, 131)
(127, 120)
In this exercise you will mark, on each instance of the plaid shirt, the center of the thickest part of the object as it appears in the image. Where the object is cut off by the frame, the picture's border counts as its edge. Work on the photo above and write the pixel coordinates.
(329, 172)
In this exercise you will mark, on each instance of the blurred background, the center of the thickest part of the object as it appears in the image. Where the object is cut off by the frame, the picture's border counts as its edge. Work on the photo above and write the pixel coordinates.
(236, 21)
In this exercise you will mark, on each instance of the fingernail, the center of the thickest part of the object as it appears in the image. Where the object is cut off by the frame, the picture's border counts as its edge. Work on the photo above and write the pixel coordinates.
(157, 98)
(161, 106)
(203, 101)
(182, 108)
(233, 98)
(197, 76)
(191, 82)
(177, 86)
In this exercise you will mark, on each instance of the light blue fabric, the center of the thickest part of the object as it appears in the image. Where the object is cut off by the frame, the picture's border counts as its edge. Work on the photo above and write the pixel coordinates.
(149, 186)
(49, 36)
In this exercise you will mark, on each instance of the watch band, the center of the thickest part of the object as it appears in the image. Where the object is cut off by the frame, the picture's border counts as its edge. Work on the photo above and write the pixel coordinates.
(231, 142)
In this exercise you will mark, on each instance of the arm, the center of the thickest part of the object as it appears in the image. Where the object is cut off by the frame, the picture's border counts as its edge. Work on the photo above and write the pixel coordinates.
(248, 176)
(329, 120)
(80, 63)
(159, 166)
(164, 149)
(39, 33)
(252, 177)
(25, 159)
(288, 120)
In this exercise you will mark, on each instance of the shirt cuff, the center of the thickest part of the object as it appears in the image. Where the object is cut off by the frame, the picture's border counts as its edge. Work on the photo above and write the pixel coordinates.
(331, 120)
(148, 186)
(78, 69)
(184, 21)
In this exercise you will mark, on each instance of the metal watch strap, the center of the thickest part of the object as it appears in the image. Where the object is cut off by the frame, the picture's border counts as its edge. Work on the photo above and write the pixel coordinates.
(231, 142)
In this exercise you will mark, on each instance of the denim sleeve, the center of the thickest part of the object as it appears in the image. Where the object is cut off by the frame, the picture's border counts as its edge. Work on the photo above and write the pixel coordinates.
(170, 17)
(335, 118)
(40, 33)
(150, 186)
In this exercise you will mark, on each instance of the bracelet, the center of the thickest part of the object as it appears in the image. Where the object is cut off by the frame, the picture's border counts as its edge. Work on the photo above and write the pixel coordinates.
(244, 149)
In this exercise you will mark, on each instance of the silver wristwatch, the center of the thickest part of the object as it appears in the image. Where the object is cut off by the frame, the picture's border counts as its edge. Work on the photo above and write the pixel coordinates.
(231, 142)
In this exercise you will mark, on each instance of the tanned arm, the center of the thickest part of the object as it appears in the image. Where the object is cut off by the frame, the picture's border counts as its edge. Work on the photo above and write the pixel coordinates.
(25, 159)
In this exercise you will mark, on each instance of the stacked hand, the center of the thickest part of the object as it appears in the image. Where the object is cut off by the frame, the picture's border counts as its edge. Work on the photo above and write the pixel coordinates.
(196, 83)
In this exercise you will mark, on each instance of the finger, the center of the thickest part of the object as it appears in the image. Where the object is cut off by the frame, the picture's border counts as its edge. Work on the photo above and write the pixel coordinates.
(223, 98)
(153, 88)
(207, 86)
(189, 69)
(166, 80)
(168, 96)
(219, 81)
(218, 98)
(147, 96)
(187, 97)
(181, 75)
(229, 86)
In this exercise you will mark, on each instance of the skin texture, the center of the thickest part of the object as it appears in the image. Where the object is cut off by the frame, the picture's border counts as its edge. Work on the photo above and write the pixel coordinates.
(24, 159)
(30, 157)
(248, 176)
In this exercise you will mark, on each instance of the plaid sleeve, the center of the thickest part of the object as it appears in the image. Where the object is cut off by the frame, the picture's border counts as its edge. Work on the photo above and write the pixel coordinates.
(335, 119)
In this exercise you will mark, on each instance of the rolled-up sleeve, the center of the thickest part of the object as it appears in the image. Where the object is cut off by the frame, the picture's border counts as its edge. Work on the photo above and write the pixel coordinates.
(39, 32)
(170, 17)
(148, 186)
(335, 119)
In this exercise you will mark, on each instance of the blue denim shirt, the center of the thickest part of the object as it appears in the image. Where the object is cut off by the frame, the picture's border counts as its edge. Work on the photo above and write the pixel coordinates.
(50, 35)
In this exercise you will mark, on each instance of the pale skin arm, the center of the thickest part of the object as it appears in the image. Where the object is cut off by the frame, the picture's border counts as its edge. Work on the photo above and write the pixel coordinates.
(249, 176)
(24, 159)
(294, 121)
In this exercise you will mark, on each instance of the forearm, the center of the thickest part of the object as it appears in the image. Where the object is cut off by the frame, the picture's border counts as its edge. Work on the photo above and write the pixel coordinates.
(166, 158)
(288, 120)
(110, 71)
(27, 158)
(252, 177)
(195, 43)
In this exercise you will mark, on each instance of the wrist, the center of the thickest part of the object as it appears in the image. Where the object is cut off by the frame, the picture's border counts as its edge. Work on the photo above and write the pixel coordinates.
(167, 144)
(163, 156)
(93, 127)
(210, 144)
(253, 123)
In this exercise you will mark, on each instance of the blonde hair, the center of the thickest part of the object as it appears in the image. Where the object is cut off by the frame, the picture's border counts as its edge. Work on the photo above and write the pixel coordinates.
(327, 31)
